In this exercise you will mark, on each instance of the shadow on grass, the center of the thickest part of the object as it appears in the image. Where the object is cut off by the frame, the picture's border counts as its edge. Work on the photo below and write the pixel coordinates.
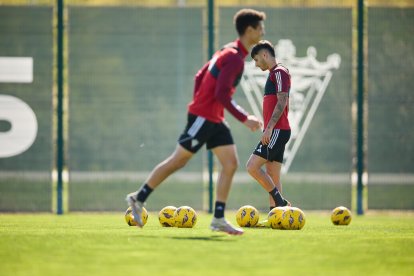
(204, 238)
(216, 237)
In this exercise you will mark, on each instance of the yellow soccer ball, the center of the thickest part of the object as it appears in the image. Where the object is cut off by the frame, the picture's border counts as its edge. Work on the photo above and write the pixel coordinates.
(166, 216)
(274, 218)
(185, 217)
(341, 216)
(247, 216)
(293, 219)
(129, 217)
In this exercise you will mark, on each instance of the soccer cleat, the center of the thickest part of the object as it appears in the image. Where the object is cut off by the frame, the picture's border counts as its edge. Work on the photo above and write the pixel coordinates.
(286, 203)
(136, 207)
(222, 225)
(263, 224)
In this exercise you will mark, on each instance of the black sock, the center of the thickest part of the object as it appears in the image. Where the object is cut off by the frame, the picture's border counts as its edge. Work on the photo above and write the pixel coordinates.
(144, 192)
(271, 207)
(219, 209)
(277, 197)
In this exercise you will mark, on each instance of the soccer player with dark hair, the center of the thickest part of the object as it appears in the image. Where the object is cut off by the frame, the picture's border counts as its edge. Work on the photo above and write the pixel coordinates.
(215, 83)
(269, 152)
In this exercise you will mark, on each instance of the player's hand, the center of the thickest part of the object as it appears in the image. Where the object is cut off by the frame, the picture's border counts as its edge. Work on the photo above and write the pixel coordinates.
(266, 136)
(253, 123)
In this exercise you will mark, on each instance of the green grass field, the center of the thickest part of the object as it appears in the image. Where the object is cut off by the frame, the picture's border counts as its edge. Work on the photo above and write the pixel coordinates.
(103, 244)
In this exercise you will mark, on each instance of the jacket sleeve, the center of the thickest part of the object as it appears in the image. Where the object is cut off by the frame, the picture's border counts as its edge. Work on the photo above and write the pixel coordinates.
(282, 81)
(232, 67)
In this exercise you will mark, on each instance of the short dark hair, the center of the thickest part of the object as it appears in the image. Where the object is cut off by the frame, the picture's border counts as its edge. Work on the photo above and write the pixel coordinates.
(247, 17)
(263, 45)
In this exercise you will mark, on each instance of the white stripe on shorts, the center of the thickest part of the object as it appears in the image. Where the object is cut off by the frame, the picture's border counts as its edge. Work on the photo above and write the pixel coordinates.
(273, 139)
(198, 123)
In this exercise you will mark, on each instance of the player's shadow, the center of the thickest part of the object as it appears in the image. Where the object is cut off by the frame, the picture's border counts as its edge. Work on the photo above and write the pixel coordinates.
(203, 238)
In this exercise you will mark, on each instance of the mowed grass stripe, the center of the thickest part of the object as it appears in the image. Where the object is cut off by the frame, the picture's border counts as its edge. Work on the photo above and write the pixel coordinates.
(103, 244)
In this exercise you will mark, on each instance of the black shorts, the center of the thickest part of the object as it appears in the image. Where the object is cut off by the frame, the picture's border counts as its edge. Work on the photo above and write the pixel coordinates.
(200, 131)
(276, 148)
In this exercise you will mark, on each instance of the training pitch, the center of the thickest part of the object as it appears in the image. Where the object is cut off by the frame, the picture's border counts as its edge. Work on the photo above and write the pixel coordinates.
(103, 244)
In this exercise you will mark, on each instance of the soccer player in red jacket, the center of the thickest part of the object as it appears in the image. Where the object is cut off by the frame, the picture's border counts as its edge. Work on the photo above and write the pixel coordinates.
(215, 83)
(269, 152)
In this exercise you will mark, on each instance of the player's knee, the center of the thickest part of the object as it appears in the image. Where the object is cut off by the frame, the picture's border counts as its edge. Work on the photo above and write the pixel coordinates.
(251, 169)
(180, 163)
(231, 166)
(177, 162)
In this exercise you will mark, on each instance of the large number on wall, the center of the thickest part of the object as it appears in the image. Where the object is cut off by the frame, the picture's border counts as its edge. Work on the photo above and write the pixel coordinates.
(21, 130)
(18, 124)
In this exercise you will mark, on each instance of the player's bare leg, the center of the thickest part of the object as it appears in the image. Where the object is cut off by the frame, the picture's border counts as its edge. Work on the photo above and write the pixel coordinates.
(254, 168)
(227, 155)
(273, 169)
(177, 160)
(174, 162)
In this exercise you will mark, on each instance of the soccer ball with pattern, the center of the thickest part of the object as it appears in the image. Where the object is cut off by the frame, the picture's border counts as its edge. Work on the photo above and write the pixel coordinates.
(185, 217)
(247, 216)
(166, 216)
(341, 216)
(274, 217)
(293, 218)
(129, 217)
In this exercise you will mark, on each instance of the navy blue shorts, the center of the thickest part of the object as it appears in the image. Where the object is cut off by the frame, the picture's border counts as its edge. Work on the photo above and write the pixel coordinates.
(276, 148)
(200, 131)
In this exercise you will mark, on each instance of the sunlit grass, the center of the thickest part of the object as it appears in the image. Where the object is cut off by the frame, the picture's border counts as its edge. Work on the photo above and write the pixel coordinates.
(103, 244)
